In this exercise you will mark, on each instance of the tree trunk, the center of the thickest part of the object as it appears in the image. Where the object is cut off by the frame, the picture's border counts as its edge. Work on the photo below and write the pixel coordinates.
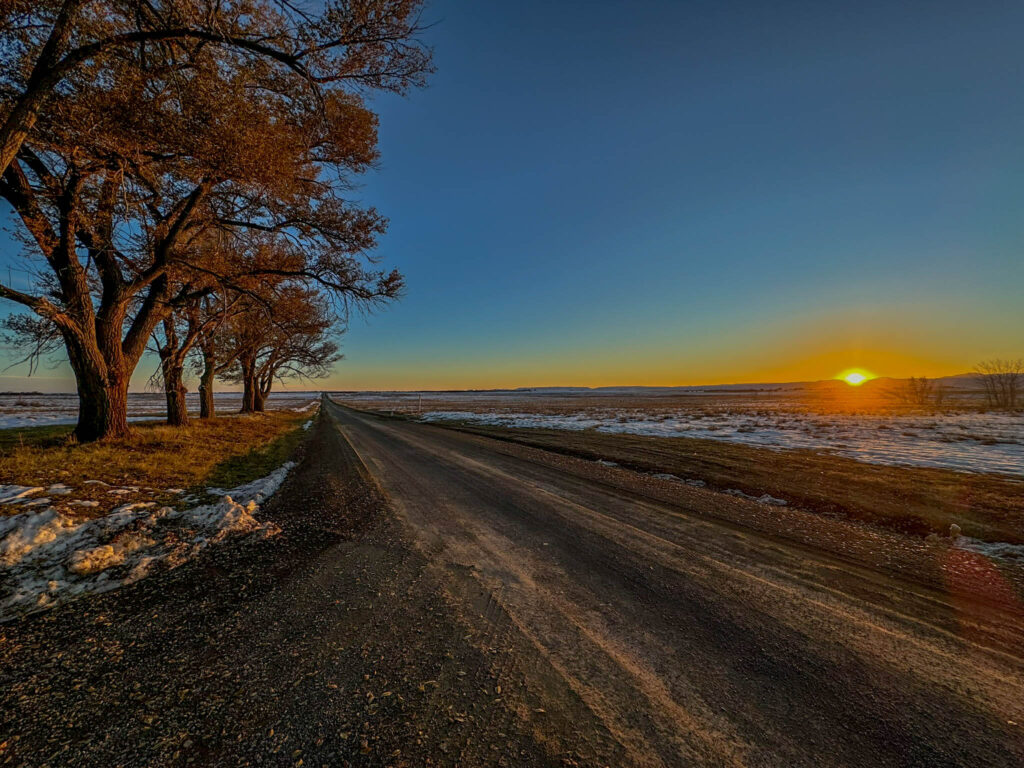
(248, 397)
(174, 388)
(102, 411)
(102, 394)
(265, 383)
(249, 386)
(102, 408)
(206, 407)
(259, 400)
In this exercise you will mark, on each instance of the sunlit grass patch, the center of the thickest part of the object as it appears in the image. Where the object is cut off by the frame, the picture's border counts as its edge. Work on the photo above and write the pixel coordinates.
(224, 452)
(261, 459)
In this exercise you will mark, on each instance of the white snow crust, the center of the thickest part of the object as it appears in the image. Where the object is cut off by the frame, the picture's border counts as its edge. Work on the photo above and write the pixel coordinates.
(997, 550)
(47, 557)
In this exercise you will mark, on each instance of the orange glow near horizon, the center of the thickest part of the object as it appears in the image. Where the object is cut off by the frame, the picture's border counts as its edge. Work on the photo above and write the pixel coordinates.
(638, 367)
(797, 350)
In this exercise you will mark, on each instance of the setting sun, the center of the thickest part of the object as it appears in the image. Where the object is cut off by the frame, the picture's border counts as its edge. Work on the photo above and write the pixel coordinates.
(854, 378)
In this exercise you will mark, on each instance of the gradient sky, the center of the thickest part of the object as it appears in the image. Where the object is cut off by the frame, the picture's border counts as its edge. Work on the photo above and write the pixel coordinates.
(595, 193)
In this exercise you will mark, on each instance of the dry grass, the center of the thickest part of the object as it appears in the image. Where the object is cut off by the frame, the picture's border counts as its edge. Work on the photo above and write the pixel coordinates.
(224, 452)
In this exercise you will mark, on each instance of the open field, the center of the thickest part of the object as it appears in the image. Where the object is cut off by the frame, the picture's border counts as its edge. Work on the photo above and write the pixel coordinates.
(19, 410)
(854, 424)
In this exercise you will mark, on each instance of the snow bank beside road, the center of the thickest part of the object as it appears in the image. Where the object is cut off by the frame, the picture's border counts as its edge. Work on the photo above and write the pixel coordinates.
(46, 557)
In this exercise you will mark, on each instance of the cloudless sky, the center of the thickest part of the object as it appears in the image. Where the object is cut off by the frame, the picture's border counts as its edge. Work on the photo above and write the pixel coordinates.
(593, 193)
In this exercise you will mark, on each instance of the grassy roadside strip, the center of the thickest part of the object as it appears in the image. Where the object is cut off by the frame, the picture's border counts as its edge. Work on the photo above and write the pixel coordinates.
(912, 500)
(224, 452)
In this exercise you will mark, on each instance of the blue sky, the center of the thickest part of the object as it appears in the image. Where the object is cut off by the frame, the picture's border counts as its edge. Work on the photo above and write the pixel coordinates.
(687, 192)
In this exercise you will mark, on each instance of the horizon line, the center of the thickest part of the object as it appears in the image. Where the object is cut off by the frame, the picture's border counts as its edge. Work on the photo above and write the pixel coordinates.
(524, 388)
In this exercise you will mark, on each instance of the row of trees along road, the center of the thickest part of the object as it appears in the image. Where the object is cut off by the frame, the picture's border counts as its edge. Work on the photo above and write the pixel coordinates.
(180, 171)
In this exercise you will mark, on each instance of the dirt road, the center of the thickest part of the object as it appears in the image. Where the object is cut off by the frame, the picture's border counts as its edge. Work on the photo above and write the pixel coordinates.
(690, 641)
(502, 605)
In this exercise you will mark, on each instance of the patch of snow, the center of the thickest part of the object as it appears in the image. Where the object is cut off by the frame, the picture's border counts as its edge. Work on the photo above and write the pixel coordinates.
(675, 478)
(605, 463)
(21, 533)
(126, 509)
(47, 557)
(307, 425)
(59, 489)
(997, 550)
(764, 498)
(257, 490)
(83, 503)
(13, 494)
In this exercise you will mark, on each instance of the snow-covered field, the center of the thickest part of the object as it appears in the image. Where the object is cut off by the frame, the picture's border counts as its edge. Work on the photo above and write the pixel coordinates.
(48, 557)
(967, 441)
(28, 410)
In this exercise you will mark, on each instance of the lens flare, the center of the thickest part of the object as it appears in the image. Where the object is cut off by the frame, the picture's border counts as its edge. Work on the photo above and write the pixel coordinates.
(855, 377)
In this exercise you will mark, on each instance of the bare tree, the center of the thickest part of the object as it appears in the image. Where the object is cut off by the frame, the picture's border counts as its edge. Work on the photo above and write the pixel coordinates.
(920, 392)
(123, 174)
(175, 338)
(1002, 382)
(212, 359)
(288, 337)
